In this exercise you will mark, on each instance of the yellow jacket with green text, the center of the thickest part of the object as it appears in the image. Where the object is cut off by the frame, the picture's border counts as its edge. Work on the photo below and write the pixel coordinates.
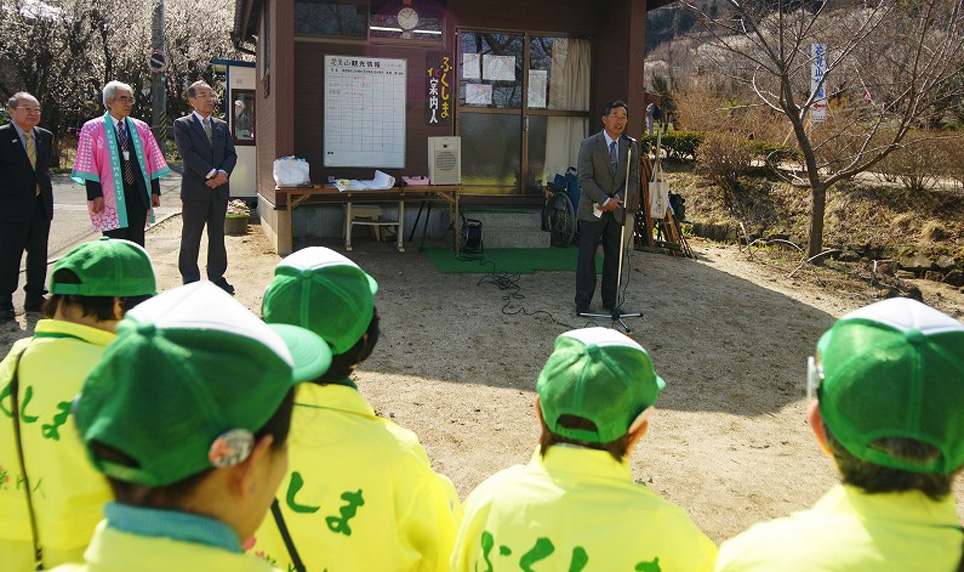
(67, 493)
(360, 493)
(849, 530)
(576, 509)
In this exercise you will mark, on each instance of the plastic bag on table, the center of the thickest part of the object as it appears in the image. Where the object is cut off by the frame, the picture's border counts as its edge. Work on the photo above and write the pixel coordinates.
(291, 172)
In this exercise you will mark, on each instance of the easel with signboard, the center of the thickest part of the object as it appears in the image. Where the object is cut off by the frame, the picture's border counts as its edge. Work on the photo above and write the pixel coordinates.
(656, 228)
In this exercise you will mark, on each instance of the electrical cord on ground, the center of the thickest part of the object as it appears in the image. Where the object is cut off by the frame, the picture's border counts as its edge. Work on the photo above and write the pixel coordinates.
(508, 283)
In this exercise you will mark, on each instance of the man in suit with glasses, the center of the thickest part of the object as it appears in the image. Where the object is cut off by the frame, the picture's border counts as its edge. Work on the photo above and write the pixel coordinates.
(26, 203)
(205, 145)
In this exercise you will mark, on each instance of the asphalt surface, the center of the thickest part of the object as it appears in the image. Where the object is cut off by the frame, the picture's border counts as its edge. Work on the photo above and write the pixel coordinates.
(71, 225)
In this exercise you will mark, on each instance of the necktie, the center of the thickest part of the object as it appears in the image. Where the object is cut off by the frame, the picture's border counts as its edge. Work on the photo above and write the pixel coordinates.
(207, 130)
(613, 158)
(124, 143)
(31, 153)
(31, 149)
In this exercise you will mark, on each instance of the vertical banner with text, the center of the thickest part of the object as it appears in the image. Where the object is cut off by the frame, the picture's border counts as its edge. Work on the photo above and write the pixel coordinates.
(817, 85)
(438, 85)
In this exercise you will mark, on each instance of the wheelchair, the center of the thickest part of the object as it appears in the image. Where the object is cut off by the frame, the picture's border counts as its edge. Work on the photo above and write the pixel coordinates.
(559, 212)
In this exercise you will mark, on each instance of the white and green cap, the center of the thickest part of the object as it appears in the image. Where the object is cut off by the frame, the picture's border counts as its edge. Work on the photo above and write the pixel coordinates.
(894, 369)
(190, 378)
(598, 375)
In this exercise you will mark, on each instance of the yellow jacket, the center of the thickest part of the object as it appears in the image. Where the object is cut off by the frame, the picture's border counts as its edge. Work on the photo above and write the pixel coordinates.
(360, 493)
(67, 493)
(577, 509)
(116, 548)
(849, 530)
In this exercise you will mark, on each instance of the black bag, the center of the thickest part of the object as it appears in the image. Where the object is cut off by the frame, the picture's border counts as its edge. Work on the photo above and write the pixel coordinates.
(678, 204)
(655, 112)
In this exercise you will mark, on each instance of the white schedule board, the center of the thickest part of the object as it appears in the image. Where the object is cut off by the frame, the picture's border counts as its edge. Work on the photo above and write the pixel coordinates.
(364, 112)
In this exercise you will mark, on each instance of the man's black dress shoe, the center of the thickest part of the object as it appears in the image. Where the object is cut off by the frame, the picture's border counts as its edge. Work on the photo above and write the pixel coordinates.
(223, 284)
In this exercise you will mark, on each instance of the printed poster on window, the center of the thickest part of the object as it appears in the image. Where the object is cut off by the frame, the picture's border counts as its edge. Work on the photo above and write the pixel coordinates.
(498, 68)
(471, 66)
(478, 94)
(538, 82)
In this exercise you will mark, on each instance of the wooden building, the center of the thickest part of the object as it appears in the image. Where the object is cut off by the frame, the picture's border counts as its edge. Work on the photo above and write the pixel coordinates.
(521, 82)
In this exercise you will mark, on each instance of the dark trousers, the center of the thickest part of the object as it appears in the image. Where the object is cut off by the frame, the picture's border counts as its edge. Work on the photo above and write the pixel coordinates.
(15, 238)
(134, 200)
(195, 215)
(608, 231)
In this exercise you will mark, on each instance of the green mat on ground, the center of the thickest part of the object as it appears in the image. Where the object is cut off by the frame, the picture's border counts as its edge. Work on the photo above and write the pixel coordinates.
(510, 260)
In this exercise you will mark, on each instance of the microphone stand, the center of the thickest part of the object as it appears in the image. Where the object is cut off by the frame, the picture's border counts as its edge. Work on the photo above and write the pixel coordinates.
(617, 314)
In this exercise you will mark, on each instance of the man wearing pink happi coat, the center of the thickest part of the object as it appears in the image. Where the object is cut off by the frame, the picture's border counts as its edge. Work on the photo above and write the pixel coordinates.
(120, 164)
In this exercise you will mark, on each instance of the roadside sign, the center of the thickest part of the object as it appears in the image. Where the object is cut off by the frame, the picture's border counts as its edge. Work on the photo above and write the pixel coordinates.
(157, 62)
(817, 84)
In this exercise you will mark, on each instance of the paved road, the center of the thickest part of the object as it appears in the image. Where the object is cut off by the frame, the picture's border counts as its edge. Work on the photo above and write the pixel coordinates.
(71, 224)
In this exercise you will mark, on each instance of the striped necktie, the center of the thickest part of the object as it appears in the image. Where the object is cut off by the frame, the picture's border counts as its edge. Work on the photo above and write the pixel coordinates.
(207, 130)
(613, 158)
(32, 153)
(124, 141)
(31, 149)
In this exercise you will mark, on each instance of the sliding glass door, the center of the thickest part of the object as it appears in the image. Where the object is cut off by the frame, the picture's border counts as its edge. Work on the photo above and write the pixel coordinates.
(523, 109)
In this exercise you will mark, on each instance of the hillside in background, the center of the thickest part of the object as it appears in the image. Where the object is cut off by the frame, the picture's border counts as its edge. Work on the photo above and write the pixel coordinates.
(872, 223)
(669, 22)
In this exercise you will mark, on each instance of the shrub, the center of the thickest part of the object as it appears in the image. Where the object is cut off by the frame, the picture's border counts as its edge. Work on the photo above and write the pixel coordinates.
(952, 158)
(676, 144)
(724, 160)
(913, 164)
(776, 153)
(697, 107)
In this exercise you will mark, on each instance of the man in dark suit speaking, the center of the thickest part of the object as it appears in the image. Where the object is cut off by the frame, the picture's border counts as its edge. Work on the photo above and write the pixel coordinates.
(207, 150)
(26, 203)
(603, 161)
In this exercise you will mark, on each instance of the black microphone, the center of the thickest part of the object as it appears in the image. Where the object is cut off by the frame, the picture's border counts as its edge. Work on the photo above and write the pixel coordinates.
(631, 140)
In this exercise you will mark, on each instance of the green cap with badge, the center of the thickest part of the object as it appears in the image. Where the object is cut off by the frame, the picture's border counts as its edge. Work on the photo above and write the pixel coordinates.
(190, 378)
(600, 376)
(319, 289)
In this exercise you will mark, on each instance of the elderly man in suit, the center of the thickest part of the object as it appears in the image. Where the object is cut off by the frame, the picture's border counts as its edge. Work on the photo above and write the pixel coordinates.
(205, 145)
(26, 203)
(603, 163)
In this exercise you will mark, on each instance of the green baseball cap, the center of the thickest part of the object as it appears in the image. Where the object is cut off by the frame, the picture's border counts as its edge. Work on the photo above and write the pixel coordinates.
(107, 267)
(319, 289)
(599, 375)
(191, 376)
(894, 369)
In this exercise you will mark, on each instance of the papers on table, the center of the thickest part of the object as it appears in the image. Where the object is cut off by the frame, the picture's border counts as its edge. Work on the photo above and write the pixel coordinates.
(381, 182)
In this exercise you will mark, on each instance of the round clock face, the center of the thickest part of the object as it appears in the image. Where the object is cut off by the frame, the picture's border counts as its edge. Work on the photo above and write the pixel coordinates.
(407, 18)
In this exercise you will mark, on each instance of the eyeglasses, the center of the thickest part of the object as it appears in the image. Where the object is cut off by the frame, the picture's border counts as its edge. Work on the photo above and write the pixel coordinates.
(124, 99)
(814, 377)
(29, 109)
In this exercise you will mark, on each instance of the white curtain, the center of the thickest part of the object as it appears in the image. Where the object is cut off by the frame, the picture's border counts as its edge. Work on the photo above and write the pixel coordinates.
(568, 90)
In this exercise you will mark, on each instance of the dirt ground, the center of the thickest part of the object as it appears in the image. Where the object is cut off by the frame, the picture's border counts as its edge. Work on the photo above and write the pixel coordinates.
(457, 364)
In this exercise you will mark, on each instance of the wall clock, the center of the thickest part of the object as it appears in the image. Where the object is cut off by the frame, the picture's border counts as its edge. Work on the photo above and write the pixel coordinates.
(407, 18)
